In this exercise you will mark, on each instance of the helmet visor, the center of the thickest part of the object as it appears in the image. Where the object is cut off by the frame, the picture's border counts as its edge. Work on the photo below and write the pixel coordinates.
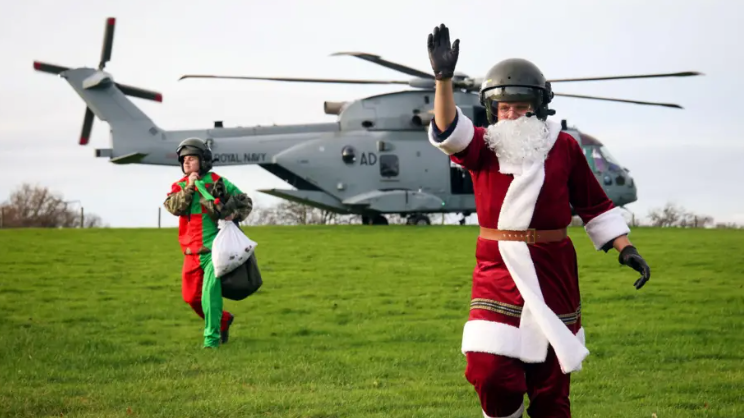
(511, 94)
(185, 150)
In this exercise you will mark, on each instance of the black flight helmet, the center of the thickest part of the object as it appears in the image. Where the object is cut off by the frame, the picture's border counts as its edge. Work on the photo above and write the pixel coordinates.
(516, 80)
(195, 146)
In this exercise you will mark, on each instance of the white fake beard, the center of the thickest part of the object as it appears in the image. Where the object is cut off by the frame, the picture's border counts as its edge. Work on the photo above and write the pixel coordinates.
(523, 140)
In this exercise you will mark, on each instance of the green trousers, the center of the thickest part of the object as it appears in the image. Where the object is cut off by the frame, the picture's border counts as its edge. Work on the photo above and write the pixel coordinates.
(211, 303)
(203, 292)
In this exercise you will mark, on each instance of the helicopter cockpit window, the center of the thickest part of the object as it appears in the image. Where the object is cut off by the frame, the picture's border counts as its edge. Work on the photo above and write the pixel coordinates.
(604, 161)
(599, 162)
(389, 166)
(613, 164)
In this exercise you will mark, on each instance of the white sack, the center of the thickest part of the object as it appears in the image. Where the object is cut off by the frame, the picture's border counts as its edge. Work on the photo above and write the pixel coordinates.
(230, 248)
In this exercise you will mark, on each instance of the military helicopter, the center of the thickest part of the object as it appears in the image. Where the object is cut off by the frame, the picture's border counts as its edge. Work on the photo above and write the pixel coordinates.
(374, 160)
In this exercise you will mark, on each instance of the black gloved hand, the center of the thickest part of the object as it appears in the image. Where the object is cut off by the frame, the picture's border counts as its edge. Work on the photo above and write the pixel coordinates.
(443, 57)
(629, 257)
(219, 191)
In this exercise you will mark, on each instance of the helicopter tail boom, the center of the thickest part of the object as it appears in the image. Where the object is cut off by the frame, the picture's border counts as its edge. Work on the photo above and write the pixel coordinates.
(130, 127)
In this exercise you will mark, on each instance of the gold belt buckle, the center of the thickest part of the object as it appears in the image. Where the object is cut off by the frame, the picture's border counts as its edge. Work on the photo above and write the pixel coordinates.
(531, 235)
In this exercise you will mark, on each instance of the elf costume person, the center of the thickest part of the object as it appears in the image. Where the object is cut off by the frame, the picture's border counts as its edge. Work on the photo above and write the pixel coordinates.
(190, 200)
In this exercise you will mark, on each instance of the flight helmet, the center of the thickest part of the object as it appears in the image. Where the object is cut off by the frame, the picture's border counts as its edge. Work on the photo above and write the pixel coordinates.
(195, 146)
(516, 79)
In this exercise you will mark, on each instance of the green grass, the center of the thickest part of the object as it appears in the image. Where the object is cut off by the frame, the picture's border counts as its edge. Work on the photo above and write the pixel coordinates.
(351, 322)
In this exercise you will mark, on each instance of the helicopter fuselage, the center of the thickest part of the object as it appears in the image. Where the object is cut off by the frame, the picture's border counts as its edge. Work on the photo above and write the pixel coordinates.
(375, 160)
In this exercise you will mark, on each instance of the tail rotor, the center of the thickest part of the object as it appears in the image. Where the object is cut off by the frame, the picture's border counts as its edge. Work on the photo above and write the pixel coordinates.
(100, 80)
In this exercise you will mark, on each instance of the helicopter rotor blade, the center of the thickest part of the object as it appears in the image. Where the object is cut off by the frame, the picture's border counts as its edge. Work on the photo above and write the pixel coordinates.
(141, 93)
(623, 77)
(302, 80)
(87, 126)
(385, 63)
(49, 68)
(620, 100)
(108, 42)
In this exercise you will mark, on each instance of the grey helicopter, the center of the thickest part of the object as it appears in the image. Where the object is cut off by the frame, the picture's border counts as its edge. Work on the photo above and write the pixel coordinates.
(374, 160)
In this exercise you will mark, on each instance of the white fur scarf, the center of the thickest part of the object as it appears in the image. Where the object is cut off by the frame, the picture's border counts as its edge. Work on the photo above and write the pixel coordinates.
(539, 325)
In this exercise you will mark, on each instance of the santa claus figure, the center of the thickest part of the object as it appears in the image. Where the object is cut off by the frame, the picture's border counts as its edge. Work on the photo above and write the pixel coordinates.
(524, 333)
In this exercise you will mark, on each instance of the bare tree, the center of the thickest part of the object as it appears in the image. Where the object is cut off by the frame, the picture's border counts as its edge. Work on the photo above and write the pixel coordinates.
(728, 225)
(294, 213)
(32, 206)
(667, 216)
(672, 215)
(692, 220)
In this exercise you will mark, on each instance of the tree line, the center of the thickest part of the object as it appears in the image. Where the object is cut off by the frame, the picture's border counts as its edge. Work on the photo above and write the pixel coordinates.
(38, 207)
(33, 206)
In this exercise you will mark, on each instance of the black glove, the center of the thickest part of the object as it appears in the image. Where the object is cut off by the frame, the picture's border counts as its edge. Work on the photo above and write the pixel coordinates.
(629, 257)
(443, 57)
(219, 191)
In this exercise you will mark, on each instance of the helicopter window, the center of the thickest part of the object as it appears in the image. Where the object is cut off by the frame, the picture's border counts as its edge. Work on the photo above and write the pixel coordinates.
(589, 159)
(604, 161)
(599, 162)
(389, 165)
(612, 163)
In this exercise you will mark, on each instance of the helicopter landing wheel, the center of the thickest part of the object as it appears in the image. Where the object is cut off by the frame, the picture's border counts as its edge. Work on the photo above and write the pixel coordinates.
(374, 220)
(418, 220)
(464, 217)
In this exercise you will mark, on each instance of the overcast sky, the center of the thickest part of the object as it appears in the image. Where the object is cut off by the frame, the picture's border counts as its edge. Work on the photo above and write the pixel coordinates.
(693, 157)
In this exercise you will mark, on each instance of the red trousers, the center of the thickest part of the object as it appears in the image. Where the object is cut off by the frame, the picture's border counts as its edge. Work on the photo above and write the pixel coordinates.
(191, 287)
(501, 383)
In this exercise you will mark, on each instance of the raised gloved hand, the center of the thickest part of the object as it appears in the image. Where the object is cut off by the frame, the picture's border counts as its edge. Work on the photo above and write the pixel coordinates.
(629, 257)
(442, 55)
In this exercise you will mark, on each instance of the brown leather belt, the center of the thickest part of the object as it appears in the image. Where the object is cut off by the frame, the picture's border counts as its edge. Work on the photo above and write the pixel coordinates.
(530, 236)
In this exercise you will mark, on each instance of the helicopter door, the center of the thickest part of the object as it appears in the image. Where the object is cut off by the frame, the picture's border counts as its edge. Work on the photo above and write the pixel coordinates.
(460, 180)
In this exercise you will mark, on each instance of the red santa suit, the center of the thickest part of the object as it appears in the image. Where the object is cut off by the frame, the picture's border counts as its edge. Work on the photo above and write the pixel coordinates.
(524, 332)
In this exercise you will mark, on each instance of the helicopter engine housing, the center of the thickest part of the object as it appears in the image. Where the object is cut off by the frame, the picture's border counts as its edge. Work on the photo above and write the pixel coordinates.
(334, 108)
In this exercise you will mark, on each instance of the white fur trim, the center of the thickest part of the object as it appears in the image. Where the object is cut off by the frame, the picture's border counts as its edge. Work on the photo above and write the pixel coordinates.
(606, 226)
(581, 336)
(539, 326)
(491, 337)
(517, 414)
(460, 138)
(481, 336)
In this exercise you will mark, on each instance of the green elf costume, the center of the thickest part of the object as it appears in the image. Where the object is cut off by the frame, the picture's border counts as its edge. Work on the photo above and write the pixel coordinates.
(198, 218)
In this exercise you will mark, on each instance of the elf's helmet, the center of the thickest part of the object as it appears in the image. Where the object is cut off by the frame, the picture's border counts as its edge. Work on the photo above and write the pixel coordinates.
(516, 79)
(195, 146)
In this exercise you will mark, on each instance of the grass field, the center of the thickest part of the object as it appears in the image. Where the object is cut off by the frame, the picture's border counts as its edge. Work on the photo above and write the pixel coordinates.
(351, 323)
